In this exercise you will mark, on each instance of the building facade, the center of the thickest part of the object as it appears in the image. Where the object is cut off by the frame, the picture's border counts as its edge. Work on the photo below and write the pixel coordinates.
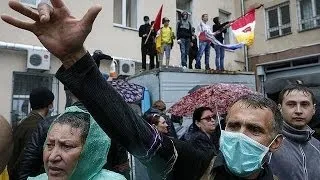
(285, 29)
(115, 32)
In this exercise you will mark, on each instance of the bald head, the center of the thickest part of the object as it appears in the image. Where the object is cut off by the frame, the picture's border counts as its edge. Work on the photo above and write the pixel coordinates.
(6, 142)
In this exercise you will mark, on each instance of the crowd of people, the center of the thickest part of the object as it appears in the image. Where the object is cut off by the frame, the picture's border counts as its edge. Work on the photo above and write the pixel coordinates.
(255, 139)
(158, 44)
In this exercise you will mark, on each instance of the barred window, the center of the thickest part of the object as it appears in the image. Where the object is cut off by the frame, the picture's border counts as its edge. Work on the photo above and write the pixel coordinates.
(278, 20)
(23, 83)
(309, 14)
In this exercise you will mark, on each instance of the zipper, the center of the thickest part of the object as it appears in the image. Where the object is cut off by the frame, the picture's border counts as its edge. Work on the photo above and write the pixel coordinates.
(304, 163)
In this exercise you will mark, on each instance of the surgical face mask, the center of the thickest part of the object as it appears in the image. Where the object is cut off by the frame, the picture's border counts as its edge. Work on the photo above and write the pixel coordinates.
(243, 155)
(146, 22)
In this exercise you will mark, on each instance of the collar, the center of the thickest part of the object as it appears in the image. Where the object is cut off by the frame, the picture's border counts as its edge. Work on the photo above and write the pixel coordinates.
(296, 134)
(35, 114)
(219, 166)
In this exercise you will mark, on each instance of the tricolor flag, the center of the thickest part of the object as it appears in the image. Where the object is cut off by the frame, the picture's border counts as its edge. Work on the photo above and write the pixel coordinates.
(243, 28)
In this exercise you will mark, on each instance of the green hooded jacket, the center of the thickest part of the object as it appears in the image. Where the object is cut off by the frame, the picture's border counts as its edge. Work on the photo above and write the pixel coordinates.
(93, 156)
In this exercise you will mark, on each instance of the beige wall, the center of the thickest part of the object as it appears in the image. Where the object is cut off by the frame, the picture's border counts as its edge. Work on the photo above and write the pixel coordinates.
(297, 39)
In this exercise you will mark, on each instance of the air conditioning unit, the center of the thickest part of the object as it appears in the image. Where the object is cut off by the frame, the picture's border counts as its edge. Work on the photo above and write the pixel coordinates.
(38, 59)
(126, 67)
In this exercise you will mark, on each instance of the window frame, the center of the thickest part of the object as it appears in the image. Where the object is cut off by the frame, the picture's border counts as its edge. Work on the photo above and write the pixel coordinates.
(124, 17)
(314, 18)
(16, 97)
(280, 26)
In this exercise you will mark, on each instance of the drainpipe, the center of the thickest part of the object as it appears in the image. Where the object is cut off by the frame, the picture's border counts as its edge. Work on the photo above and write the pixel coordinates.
(20, 47)
(245, 49)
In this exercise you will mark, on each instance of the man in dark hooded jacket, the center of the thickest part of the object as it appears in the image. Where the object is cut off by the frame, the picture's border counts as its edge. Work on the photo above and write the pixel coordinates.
(184, 34)
(219, 49)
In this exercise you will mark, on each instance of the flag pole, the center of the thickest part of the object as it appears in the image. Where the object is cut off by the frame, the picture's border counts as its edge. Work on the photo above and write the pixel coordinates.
(149, 34)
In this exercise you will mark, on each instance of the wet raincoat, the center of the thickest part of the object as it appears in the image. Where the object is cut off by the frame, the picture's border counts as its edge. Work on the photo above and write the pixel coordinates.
(93, 156)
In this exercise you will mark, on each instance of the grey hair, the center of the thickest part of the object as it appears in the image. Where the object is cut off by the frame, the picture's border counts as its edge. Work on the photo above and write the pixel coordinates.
(76, 120)
(259, 101)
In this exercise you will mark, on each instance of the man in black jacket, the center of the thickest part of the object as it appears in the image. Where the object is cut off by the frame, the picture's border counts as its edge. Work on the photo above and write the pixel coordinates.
(41, 101)
(184, 35)
(219, 50)
(146, 47)
(253, 120)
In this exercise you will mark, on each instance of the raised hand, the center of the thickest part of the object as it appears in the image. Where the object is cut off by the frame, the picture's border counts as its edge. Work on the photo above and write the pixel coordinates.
(62, 34)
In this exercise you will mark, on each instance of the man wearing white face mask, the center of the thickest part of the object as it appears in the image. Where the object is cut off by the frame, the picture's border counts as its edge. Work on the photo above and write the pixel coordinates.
(41, 101)
(253, 127)
(299, 156)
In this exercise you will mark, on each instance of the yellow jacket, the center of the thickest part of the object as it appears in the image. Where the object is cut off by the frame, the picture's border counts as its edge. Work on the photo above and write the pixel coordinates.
(159, 40)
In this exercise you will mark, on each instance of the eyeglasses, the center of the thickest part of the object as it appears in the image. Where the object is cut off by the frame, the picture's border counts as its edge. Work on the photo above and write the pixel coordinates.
(209, 118)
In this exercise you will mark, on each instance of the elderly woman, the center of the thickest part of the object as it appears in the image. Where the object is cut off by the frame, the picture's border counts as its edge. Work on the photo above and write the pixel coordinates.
(76, 148)
(201, 132)
(158, 122)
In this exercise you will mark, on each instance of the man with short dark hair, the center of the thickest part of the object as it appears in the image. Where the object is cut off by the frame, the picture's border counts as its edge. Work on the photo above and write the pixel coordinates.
(145, 46)
(204, 42)
(252, 124)
(299, 155)
(41, 101)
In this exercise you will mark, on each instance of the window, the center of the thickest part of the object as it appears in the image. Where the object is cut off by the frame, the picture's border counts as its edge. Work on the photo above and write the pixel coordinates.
(278, 20)
(183, 5)
(309, 14)
(224, 16)
(125, 13)
(23, 83)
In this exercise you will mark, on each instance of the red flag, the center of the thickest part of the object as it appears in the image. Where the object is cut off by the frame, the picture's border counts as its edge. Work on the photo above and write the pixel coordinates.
(157, 21)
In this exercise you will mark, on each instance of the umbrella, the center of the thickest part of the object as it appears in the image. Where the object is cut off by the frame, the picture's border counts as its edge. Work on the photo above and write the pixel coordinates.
(130, 92)
(217, 96)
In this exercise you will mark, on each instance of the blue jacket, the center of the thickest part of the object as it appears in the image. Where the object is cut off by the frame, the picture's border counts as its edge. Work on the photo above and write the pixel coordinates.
(298, 157)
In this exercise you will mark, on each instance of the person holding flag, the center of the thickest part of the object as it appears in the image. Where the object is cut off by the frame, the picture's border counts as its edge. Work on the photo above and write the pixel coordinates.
(145, 43)
(219, 49)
